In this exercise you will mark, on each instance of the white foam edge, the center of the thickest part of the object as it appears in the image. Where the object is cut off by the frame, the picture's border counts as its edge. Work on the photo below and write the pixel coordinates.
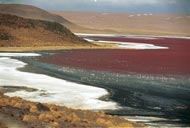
(9, 54)
(130, 45)
(132, 36)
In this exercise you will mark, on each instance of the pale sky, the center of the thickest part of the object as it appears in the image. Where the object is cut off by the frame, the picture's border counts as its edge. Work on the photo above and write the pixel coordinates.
(132, 6)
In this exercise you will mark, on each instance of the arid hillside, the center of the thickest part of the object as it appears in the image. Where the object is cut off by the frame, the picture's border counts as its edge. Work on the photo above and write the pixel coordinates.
(20, 32)
(31, 12)
(122, 23)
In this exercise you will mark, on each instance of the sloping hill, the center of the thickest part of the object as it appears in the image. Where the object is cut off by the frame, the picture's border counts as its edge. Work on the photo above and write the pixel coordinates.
(20, 32)
(31, 12)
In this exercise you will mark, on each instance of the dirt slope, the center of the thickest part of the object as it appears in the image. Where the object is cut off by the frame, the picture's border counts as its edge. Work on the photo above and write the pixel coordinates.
(31, 12)
(20, 32)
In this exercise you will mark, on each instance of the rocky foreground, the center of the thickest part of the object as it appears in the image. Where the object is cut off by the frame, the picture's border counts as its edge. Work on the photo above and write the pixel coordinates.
(37, 115)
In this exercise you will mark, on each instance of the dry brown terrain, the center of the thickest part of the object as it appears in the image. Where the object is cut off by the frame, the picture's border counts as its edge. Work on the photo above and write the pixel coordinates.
(157, 24)
(47, 48)
(116, 23)
(20, 32)
(31, 12)
(38, 115)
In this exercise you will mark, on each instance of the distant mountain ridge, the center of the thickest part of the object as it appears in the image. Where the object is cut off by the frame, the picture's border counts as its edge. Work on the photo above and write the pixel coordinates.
(31, 12)
(130, 23)
(21, 32)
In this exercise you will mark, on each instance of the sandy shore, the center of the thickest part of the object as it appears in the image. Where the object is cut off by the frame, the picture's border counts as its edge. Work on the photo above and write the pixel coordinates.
(46, 48)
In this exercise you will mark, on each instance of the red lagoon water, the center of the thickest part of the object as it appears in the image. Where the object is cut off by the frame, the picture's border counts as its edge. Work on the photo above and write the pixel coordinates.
(173, 43)
(174, 61)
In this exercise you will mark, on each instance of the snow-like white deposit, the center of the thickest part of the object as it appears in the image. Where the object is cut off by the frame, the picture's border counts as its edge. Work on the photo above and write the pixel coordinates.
(8, 54)
(153, 122)
(50, 89)
(131, 45)
(133, 36)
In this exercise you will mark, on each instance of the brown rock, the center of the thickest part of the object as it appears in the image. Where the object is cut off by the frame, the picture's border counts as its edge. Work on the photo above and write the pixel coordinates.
(125, 125)
(13, 102)
(42, 107)
(56, 114)
(49, 117)
(18, 105)
(74, 117)
(16, 98)
(29, 118)
(104, 122)
(53, 108)
(59, 116)
(46, 117)
(54, 124)
(2, 102)
(100, 121)
(101, 114)
(108, 124)
(1, 95)
(33, 109)
(42, 116)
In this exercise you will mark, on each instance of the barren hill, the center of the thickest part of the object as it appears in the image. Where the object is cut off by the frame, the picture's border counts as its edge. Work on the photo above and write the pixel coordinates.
(20, 32)
(31, 12)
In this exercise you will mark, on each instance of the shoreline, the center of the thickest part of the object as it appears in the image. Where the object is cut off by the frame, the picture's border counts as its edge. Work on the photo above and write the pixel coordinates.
(116, 113)
(38, 115)
(120, 98)
(14, 107)
(50, 75)
(151, 90)
(93, 44)
(17, 108)
(51, 89)
(54, 48)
